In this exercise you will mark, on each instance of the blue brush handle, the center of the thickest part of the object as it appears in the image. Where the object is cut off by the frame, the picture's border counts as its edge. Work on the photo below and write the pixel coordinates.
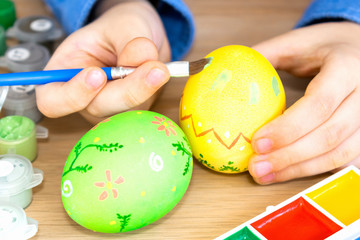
(43, 77)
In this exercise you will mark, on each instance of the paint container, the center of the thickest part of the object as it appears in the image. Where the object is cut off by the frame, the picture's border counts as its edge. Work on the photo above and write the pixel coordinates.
(21, 100)
(14, 224)
(37, 29)
(2, 41)
(328, 210)
(26, 57)
(18, 136)
(7, 13)
(17, 178)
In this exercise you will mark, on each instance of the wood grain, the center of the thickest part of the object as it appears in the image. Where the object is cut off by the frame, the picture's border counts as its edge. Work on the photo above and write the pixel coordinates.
(214, 203)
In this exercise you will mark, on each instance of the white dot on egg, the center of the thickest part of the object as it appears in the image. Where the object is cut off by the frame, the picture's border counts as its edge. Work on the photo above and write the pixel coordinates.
(188, 126)
(242, 148)
(184, 107)
(199, 124)
(227, 134)
(208, 141)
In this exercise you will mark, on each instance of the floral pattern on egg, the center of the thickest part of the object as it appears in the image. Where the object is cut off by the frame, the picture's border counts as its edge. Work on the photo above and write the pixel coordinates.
(123, 169)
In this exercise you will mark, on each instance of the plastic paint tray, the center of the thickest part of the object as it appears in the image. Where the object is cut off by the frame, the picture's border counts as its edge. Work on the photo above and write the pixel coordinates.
(328, 210)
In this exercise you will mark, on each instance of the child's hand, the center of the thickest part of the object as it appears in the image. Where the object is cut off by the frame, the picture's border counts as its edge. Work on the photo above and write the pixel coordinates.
(321, 131)
(128, 34)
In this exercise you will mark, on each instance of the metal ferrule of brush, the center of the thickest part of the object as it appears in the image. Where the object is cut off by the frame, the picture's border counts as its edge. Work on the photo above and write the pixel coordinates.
(121, 72)
(176, 69)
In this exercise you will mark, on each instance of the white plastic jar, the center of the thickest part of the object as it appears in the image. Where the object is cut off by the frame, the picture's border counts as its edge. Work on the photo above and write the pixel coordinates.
(17, 178)
(14, 224)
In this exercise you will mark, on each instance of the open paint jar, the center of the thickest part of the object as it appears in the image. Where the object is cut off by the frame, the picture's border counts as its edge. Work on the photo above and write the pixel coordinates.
(14, 224)
(17, 178)
(18, 136)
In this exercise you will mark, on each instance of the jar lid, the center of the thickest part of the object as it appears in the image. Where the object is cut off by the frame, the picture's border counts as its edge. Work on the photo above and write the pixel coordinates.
(27, 57)
(17, 175)
(14, 224)
(15, 128)
(7, 13)
(38, 29)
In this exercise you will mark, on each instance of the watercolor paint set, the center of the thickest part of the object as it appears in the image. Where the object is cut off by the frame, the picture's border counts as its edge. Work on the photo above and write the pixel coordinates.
(328, 210)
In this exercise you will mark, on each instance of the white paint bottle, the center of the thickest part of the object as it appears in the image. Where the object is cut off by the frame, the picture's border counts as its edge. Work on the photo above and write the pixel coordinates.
(17, 178)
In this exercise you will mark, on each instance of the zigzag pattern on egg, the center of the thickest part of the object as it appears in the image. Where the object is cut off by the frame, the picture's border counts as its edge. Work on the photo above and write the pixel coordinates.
(203, 133)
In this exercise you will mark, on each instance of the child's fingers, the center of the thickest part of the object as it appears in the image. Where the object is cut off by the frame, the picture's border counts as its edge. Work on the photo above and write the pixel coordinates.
(323, 139)
(346, 153)
(323, 96)
(59, 99)
(76, 94)
(124, 94)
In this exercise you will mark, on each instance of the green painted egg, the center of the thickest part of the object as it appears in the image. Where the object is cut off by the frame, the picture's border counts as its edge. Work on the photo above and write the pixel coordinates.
(126, 172)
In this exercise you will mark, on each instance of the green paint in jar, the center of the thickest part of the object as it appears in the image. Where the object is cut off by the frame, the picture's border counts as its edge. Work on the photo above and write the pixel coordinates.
(18, 136)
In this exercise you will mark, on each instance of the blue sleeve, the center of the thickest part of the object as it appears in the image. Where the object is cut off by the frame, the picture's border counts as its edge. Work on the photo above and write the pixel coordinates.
(331, 10)
(176, 17)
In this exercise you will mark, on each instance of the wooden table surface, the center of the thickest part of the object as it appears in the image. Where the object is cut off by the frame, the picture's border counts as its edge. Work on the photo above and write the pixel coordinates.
(214, 203)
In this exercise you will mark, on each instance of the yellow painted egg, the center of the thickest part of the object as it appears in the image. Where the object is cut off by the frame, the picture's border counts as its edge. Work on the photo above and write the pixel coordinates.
(223, 105)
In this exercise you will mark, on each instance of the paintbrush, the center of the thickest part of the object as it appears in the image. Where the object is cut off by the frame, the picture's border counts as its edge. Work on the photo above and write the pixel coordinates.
(176, 69)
